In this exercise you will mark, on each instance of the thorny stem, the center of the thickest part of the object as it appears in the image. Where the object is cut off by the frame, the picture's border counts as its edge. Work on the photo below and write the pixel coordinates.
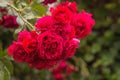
(19, 13)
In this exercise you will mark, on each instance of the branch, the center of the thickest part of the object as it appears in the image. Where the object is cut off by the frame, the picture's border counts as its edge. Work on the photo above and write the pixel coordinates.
(19, 13)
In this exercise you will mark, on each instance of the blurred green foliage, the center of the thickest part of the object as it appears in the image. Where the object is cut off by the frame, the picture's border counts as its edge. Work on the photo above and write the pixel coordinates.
(98, 57)
(101, 49)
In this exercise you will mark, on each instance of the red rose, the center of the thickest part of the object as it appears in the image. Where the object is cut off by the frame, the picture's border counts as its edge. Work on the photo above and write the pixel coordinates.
(11, 49)
(62, 65)
(58, 76)
(61, 14)
(59, 68)
(72, 33)
(29, 40)
(3, 11)
(56, 70)
(71, 5)
(17, 51)
(50, 45)
(25, 49)
(30, 45)
(48, 1)
(63, 30)
(83, 23)
(22, 35)
(9, 21)
(45, 23)
(70, 69)
(62, 70)
(70, 47)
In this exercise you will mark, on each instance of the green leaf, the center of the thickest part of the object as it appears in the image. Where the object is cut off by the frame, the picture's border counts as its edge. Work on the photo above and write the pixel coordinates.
(21, 3)
(8, 64)
(38, 9)
(89, 57)
(3, 3)
(1, 51)
(18, 30)
(95, 48)
(39, 1)
(29, 15)
(83, 66)
(108, 35)
(4, 72)
(110, 5)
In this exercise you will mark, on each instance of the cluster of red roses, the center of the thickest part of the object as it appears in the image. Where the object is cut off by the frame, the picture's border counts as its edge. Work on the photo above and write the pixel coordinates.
(63, 70)
(7, 21)
(57, 37)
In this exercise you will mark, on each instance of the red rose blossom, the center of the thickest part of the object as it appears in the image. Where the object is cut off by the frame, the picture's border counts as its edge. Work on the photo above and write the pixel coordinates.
(29, 40)
(63, 30)
(71, 6)
(59, 68)
(70, 47)
(9, 21)
(61, 14)
(48, 1)
(58, 76)
(45, 23)
(83, 23)
(3, 11)
(62, 70)
(25, 49)
(50, 45)
(22, 35)
(17, 52)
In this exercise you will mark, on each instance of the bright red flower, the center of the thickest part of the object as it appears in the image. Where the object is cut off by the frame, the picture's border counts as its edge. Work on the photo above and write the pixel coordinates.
(62, 70)
(18, 53)
(49, 1)
(61, 14)
(22, 35)
(58, 76)
(83, 23)
(29, 41)
(45, 23)
(25, 48)
(70, 47)
(3, 11)
(50, 45)
(63, 30)
(9, 21)
(71, 6)
(59, 68)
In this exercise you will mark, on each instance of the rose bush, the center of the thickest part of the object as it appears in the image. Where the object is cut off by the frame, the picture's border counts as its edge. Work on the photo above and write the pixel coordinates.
(57, 37)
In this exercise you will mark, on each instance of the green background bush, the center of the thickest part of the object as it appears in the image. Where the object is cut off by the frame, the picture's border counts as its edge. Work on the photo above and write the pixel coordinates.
(98, 57)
